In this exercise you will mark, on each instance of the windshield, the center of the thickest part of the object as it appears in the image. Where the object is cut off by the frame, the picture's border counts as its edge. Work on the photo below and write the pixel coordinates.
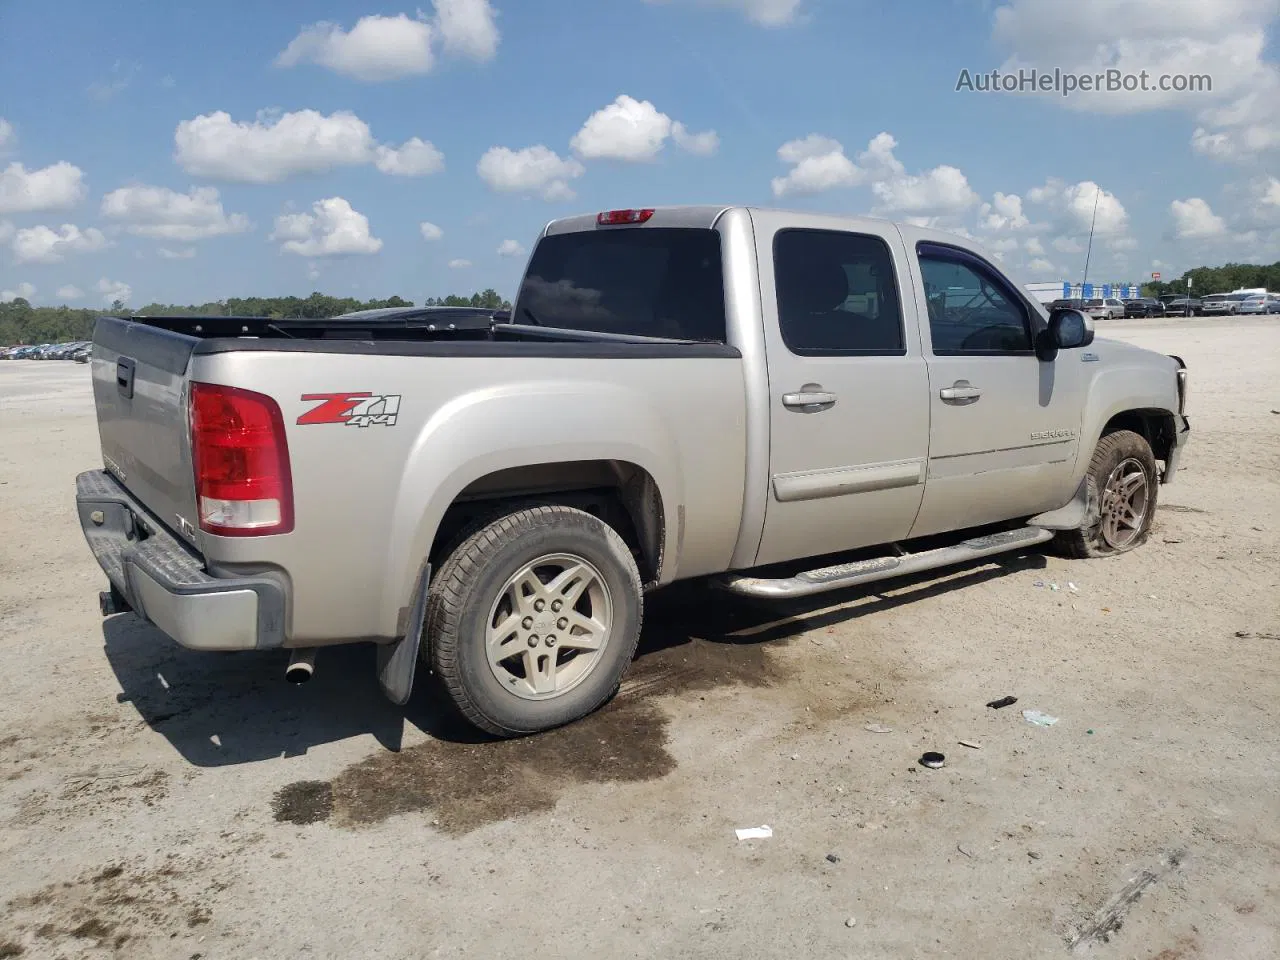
(1094, 303)
(640, 281)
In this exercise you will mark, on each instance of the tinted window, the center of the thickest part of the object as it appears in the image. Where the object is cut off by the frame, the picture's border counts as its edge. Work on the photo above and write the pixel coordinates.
(837, 293)
(645, 281)
(970, 309)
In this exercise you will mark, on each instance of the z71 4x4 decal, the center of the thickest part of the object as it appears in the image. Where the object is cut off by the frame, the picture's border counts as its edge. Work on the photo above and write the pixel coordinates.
(351, 409)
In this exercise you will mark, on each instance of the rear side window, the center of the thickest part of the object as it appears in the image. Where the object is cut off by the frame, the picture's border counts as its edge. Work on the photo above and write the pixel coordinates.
(640, 281)
(837, 294)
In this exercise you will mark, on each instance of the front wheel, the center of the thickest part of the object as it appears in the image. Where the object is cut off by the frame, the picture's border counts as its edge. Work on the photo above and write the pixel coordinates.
(1123, 485)
(533, 620)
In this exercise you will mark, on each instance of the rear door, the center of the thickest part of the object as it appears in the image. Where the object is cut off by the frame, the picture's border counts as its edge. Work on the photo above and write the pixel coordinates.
(848, 388)
(1004, 426)
(139, 389)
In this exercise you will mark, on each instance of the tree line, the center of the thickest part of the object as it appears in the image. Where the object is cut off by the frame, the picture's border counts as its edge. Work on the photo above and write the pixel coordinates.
(20, 322)
(1224, 279)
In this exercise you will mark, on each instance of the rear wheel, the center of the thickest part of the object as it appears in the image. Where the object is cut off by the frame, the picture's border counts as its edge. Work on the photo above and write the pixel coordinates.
(534, 618)
(1123, 484)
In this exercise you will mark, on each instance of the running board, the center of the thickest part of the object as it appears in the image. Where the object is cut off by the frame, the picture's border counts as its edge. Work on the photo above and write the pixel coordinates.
(880, 568)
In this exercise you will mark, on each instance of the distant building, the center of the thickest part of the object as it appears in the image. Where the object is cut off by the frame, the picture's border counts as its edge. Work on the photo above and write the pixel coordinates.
(1065, 290)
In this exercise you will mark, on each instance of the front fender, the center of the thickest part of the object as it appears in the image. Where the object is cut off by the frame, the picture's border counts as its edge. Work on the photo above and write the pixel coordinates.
(520, 424)
(1125, 378)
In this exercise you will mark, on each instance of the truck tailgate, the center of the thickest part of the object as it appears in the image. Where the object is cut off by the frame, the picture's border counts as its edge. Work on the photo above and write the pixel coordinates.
(139, 389)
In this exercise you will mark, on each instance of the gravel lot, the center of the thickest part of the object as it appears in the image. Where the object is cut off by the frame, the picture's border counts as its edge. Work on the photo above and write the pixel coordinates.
(156, 803)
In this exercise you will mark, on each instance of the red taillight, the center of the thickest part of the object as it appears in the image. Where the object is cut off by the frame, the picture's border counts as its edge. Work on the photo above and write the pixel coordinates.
(610, 217)
(241, 459)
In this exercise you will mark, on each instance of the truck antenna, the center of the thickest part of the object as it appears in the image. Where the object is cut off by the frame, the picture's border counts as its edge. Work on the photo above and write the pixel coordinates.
(1089, 251)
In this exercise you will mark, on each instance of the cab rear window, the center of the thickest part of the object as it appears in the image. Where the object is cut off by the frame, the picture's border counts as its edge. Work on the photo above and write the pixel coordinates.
(640, 281)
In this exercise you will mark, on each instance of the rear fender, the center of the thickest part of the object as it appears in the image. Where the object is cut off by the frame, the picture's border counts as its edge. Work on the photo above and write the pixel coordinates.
(517, 425)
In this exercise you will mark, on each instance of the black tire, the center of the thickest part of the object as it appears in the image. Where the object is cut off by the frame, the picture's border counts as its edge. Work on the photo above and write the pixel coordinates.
(1113, 450)
(473, 579)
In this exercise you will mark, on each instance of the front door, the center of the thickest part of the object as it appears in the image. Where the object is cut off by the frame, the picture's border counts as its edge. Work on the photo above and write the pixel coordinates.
(849, 404)
(1004, 426)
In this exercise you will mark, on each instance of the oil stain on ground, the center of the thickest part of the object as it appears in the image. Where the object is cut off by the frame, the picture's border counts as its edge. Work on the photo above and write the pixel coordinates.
(466, 782)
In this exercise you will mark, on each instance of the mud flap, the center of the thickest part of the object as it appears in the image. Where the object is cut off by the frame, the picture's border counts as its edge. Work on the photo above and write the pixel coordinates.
(1078, 513)
(398, 662)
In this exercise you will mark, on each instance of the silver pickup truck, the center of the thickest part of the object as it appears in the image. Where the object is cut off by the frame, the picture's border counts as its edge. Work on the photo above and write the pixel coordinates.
(783, 403)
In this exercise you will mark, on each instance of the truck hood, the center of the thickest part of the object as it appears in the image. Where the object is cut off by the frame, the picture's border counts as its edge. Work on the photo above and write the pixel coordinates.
(1122, 352)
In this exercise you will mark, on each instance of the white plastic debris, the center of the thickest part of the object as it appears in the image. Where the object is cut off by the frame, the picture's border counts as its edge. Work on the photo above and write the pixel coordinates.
(1073, 588)
(1038, 718)
(754, 833)
(877, 728)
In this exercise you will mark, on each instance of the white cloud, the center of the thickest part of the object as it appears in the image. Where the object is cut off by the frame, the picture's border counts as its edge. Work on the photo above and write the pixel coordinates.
(24, 290)
(702, 144)
(376, 48)
(819, 163)
(270, 149)
(276, 146)
(1034, 247)
(765, 13)
(57, 187)
(1269, 194)
(380, 48)
(413, 158)
(69, 292)
(459, 264)
(1073, 206)
(182, 253)
(510, 248)
(334, 229)
(7, 136)
(943, 191)
(113, 290)
(468, 28)
(1067, 245)
(1004, 212)
(1003, 245)
(160, 212)
(43, 244)
(1041, 265)
(1226, 40)
(430, 231)
(1193, 219)
(534, 170)
(6, 231)
(635, 130)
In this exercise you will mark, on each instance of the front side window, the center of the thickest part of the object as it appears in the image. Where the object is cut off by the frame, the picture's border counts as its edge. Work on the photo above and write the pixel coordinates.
(837, 294)
(970, 309)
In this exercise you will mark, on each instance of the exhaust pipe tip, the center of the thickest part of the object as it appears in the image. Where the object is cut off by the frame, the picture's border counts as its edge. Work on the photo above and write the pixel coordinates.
(302, 665)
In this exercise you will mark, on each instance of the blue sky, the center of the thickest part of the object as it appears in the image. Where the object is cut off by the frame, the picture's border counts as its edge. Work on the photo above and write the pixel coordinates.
(181, 153)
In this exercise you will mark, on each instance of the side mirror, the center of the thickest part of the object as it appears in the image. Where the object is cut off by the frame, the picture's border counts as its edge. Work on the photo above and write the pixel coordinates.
(1068, 330)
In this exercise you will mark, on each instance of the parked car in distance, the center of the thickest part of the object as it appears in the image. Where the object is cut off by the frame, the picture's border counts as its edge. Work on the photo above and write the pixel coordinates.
(1183, 307)
(1096, 309)
(1222, 304)
(1256, 303)
(1143, 307)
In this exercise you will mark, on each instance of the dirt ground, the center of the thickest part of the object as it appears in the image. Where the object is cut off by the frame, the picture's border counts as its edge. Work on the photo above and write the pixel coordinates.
(156, 803)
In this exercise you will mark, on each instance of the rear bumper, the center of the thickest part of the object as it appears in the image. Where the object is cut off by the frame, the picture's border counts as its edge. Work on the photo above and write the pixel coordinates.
(166, 583)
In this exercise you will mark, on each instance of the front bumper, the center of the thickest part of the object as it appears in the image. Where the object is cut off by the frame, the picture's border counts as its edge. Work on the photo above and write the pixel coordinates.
(166, 583)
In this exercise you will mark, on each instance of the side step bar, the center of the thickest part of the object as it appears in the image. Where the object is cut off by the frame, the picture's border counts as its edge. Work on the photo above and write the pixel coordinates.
(881, 568)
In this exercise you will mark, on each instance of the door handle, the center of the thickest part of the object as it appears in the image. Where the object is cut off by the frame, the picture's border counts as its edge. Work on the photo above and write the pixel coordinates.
(960, 393)
(810, 399)
(124, 376)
